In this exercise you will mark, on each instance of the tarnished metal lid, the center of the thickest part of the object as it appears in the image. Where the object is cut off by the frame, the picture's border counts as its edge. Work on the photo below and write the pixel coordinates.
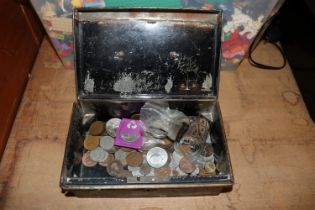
(147, 53)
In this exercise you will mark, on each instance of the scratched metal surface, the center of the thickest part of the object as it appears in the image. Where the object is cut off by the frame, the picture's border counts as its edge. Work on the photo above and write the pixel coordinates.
(147, 53)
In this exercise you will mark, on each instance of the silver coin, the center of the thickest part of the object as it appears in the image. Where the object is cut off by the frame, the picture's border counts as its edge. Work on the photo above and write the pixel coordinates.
(98, 154)
(107, 142)
(157, 157)
(112, 125)
(120, 155)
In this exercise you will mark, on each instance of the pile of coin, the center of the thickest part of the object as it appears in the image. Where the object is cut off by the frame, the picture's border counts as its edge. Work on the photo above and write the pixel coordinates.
(159, 156)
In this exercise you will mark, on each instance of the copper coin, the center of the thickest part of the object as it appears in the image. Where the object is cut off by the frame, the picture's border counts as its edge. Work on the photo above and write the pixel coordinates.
(186, 165)
(210, 167)
(87, 161)
(207, 150)
(145, 169)
(114, 168)
(110, 158)
(97, 128)
(164, 171)
(134, 159)
(91, 142)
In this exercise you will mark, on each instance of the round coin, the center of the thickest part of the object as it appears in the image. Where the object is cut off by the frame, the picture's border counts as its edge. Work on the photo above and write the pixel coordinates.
(163, 171)
(110, 158)
(112, 125)
(186, 165)
(87, 161)
(114, 168)
(210, 167)
(134, 159)
(99, 154)
(121, 156)
(107, 142)
(97, 128)
(157, 157)
(91, 142)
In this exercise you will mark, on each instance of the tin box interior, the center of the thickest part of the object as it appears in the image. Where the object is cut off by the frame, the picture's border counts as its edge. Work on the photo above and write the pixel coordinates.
(125, 57)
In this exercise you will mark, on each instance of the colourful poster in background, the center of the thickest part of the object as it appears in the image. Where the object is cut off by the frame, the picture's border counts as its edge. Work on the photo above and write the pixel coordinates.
(242, 21)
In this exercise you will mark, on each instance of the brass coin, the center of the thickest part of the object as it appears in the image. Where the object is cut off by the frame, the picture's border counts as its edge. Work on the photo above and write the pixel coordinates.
(145, 169)
(87, 161)
(164, 171)
(91, 142)
(186, 165)
(207, 150)
(210, 167)
(110, 158)
(97, 128)
(134, 159)
(114, 168)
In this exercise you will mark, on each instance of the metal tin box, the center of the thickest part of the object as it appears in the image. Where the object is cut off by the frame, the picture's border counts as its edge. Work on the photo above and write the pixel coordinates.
(126, 58)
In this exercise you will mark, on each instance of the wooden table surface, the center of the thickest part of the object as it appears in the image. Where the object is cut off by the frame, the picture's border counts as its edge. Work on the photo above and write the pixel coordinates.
(270, 136)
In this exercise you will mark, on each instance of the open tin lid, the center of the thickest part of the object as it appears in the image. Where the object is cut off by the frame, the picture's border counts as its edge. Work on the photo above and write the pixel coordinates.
(147, 53)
